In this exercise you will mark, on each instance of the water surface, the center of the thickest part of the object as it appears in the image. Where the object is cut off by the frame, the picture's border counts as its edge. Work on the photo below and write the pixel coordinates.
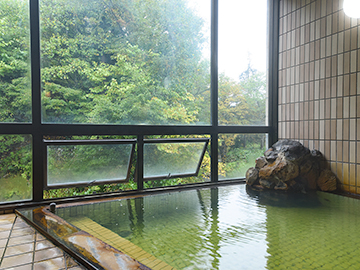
(231, 227)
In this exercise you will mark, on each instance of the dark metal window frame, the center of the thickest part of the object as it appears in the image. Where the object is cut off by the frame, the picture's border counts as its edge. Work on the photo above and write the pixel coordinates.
(39, 130)
(172, 141)
(89, 142)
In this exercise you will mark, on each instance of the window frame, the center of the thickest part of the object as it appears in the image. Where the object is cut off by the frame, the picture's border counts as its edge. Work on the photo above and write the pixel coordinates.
(131, 142)
(39, 130)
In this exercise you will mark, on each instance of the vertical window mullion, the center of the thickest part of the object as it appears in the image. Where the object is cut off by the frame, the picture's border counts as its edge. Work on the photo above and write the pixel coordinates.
(273, 69)
(214, 89)
(140, 162)
(37, 134)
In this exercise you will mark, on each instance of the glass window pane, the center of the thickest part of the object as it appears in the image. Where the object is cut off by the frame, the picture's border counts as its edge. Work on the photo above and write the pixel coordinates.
(87, 164)
(169, 160)
(238, 152)
(15, 88)
(16, 168)
(125, 62)
(242, 62)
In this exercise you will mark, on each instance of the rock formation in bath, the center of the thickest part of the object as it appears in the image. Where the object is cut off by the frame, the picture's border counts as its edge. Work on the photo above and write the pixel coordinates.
(289, 165)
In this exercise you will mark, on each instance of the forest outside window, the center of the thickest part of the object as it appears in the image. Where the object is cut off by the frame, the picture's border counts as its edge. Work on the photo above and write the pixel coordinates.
(124, 62)
(148, 71)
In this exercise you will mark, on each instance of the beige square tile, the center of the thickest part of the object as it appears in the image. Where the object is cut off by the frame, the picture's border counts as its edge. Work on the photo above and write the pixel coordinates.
(19, 249)
(4, 234)
(333, 166)
(339, 171)
(340, 85)
(340, 63)
(328, 88)
(8, 218)
(346, 129)
(346, 174)
(327, 109)
(43, 245)
(22, 231)
(347, 40)
(333, 108)
(352, 152)
(346, 151)
(327, 129)
(339, 152)
(322, 68)
(347, 22)
(307, 130)
(311, 110)
(353, 61)
(17, 260)
(352, 129)
(311, 144)
(22, 267)
(352, 175)
(53, 264)
(354, 38)
(21, 239)
(339, 107)
(346, 85)
(327, 150)
(5, 226)
(316, 130)
(322, 129)
(45, 254)
(20, 224)
(333, 151)
(3, 242)
(346, 62)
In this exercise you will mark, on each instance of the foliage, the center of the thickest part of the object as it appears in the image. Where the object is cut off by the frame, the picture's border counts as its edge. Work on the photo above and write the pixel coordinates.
(15, 98)
(119, 62)
(16, 166)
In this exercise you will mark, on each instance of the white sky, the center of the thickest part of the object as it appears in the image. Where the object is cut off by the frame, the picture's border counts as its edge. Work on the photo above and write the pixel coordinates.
(242, 33)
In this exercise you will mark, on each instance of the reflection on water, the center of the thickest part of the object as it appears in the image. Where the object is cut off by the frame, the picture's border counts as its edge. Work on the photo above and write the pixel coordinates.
(284, 199)
(234, 228)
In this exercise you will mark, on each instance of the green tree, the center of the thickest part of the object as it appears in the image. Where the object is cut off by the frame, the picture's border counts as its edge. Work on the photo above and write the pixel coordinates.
(121, 61)
(15, 92)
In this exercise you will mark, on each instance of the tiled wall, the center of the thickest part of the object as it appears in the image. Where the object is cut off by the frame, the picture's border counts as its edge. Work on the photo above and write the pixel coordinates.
(319, 83)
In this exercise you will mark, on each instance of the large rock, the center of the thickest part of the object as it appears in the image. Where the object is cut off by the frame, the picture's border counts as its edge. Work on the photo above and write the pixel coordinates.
(288, 165)
(252, 176)
(327, 180)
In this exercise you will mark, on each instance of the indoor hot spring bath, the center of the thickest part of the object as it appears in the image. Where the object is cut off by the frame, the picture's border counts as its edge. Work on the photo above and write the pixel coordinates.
(227, 227)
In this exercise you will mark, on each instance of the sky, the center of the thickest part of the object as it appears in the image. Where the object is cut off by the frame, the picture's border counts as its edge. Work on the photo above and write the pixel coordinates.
(242, 34)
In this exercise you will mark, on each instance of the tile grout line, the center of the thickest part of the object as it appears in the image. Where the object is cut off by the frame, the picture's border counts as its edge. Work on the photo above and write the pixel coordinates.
(33, 258)
(8, 239)
(65, 262)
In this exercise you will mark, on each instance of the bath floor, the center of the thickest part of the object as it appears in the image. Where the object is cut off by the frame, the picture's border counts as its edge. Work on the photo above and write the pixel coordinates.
(23, 248)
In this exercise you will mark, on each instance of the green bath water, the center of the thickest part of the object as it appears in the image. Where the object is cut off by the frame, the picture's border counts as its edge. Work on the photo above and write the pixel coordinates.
(231, 227)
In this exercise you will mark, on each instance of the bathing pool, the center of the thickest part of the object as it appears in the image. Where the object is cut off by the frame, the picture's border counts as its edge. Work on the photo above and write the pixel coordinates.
(229, 227)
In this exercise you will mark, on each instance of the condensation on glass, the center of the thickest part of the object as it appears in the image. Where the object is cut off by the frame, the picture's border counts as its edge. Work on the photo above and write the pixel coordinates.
(125, 62)
(16, 168)
(15, 83)
(238, 152)
(242, 63)
(87, 164)
(173, 159)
